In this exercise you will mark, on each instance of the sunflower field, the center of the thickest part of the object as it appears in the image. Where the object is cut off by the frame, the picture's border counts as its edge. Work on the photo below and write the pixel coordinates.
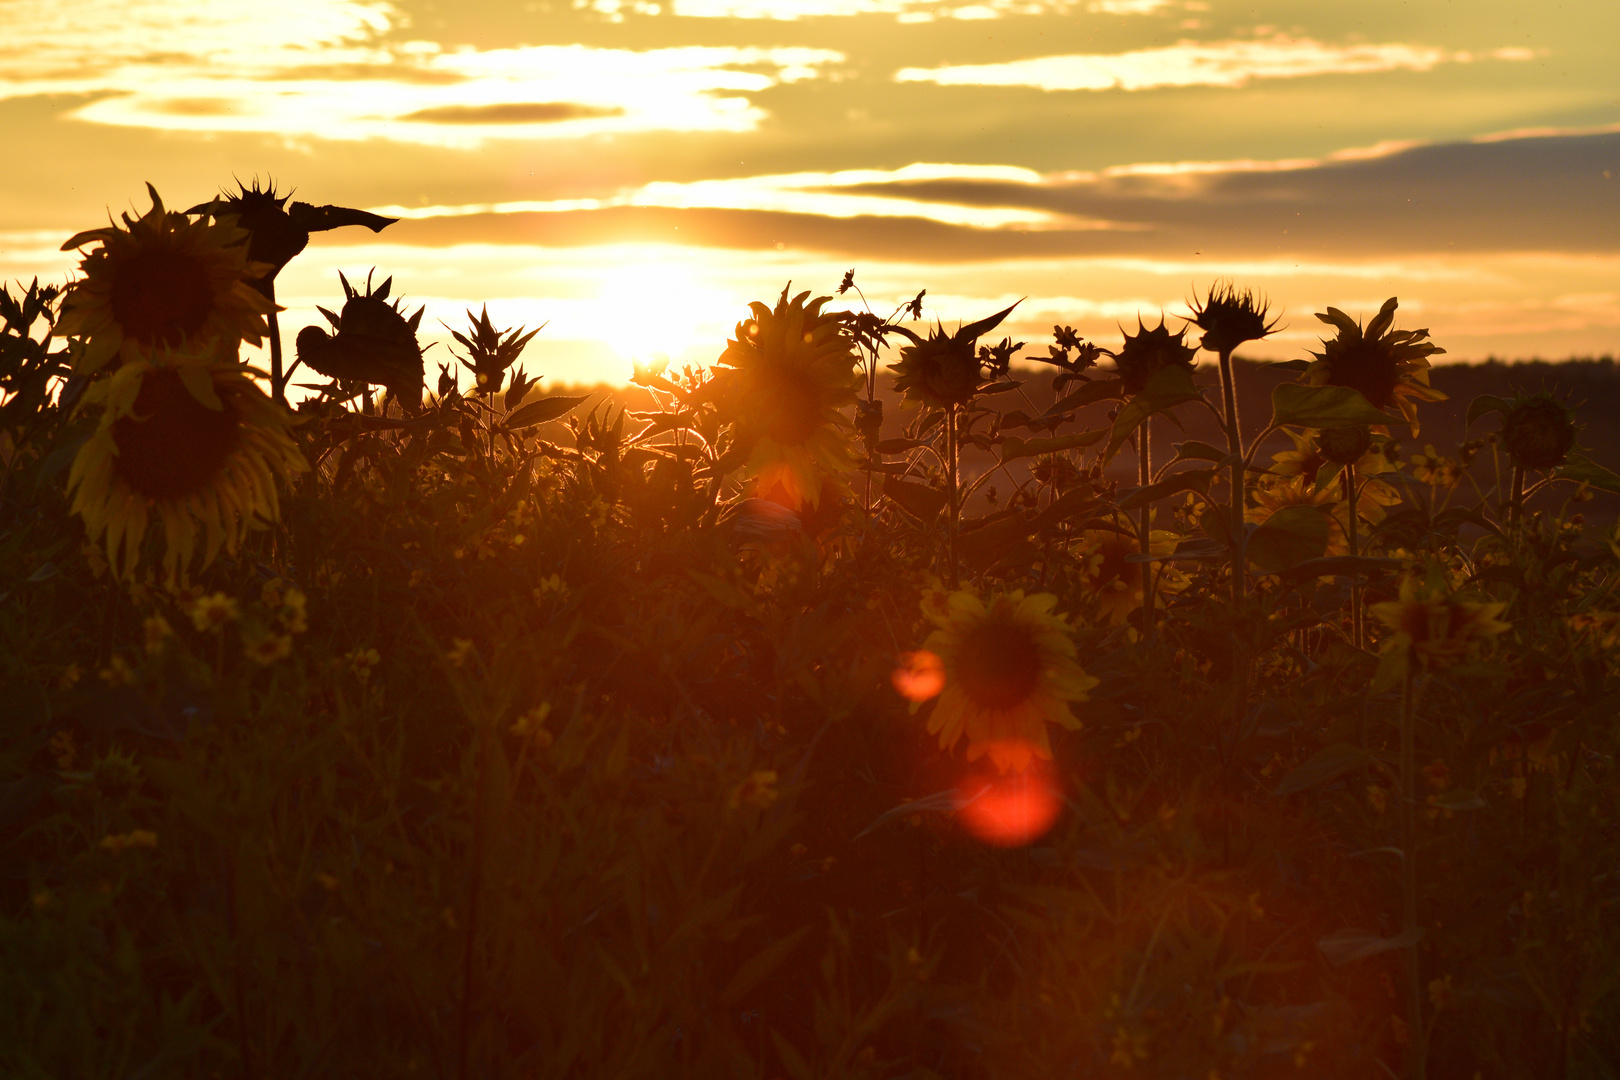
(883, 700)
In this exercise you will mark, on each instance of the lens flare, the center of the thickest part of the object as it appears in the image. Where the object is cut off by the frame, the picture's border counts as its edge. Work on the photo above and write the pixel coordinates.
(920, 676)
(1010, 809)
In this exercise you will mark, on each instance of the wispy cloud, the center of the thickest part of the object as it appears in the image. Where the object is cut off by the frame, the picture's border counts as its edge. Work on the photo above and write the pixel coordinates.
(1194, 63)
(310, 68)
(911, 11)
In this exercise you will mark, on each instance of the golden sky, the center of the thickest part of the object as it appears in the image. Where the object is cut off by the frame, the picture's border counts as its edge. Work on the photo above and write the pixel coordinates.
(632, 172)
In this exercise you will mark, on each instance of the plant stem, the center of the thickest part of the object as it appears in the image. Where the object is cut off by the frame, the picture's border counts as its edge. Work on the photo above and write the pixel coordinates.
(474, 886)
(1144, 528)
(1357, 632)
(1516, 503)
(951, 468)
(1234, 445)
(1417, 1052)
(278, 381)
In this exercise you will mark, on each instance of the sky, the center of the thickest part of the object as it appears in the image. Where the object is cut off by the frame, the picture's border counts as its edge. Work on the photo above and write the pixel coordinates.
(630, 173)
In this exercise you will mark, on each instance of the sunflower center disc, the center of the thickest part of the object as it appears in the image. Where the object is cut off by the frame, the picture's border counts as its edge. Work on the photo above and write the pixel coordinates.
(1367, 368)
(790, 407)
(161, 296)
(998, 665)
(172, 445)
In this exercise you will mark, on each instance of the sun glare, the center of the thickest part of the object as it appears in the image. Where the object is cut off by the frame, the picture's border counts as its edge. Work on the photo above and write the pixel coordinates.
(654, 310)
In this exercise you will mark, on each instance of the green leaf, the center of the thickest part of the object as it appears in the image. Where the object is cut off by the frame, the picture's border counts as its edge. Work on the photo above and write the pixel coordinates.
(1394, 660)
(1290, 365)
(1199, 451)
(1289, 537)
(1584, 470)
(1090, 394)
(539, 412)
(1191, 480)
(1339, 566)
(1324, 407)
(1167, 388)
(918, 500)
(199, 382)
(755, 969)
(1013, 448)
(1349, 945)
(1076, 501)
(1323, 766)
(1485, 403)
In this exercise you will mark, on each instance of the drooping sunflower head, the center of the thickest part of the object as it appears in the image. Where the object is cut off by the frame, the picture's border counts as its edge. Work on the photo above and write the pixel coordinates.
(162, 281)
(1147, 352)
(781, 383)
(373, 342)
(1009, 670)
(275, 238)
(1387, 366)
(1229, 317)
(1538, 431)
(1432, 625)
(187, 438)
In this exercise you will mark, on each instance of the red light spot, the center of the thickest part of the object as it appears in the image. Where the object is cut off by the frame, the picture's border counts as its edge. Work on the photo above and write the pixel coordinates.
(920, 676)
(1010, 809)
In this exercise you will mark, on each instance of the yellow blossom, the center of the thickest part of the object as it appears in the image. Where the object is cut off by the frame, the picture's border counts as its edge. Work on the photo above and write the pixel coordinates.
(214, 612)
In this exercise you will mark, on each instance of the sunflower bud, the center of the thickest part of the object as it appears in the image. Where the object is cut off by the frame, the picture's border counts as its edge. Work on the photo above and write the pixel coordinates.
(1149, 351)
(1230, 317)
(1538, 431)
(1344, 446)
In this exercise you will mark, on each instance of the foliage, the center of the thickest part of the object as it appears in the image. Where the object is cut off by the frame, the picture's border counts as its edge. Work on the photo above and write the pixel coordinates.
(528, 737)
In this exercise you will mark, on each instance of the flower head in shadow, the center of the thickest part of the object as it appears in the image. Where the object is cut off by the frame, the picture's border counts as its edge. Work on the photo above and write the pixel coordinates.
(1230, 317)
(943, 370)
(373, 342)
(1148, 352)
(1388, 367)
(1538, 431)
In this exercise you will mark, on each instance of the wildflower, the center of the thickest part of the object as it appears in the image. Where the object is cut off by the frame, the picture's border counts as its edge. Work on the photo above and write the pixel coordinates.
(1428, 623)
(157, 632)
(1377, 798)
(490, 353)
(757, 790)
(117, 672)
(1009, 671)
(1148, 352)
(361, 662)
(190, 440)
(1538, 431)
(294, 615)
(1388, 367)
(1441, 992)
(1229, 318)
(1438, 775)
(70, 676)
(1436, 469)
(781, 383)
(62, 748)
(942, 370)
(1602, 626)
(95, 559)
(214, 612)
(161, 282)
(532, 725)
(1115, 583)
(373, 342)
(462, 650)
(116, 843)
(269, 648)
(552, 587)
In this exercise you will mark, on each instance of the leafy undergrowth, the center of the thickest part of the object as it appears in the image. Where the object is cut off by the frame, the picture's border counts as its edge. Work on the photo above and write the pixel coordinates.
(487, 754)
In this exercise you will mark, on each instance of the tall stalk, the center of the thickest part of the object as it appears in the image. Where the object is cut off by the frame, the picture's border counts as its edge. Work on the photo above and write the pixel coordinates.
(952, 463)
(1144, 528)
(1234, 447)
(1357, 631)
(278, 381)
(1417, 1051)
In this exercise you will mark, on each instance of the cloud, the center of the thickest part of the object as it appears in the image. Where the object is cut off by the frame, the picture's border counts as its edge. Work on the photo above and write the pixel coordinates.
(330, 70)
(1192, 63)
(909, 11)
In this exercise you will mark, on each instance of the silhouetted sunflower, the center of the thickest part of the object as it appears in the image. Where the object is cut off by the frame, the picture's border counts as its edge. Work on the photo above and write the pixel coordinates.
(1538, 431)
(781, 383)
(1148, 352)
(189, 439)
(1229, 317)
(490, 353)
(1389, 367)
(162, 281)
(1117, 583)
(375, 343)
(942, 370)
(1010, 670)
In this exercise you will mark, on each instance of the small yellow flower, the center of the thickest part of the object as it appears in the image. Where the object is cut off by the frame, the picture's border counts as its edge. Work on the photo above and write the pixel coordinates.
(270, 648)
(1441, 992)
(532, 725)
(462, 650)
(1377, 798)
(214, 612)
(758, 790)
(1129, 1047)
(61, 745)
(117, 843)
(95, 558)
(70, 677)
(294, 614)
(361, 661)
(117, 673)
(157, 632)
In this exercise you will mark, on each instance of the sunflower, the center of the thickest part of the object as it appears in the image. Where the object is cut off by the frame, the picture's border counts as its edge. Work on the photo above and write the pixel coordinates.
(1389, 367)
(780, 384)
(1538, 431)
(162, 282)
(1430, 624)
(1147, 352)
(1115, 582)
(189, 438)
(943, 370)
(1230, 317)
(1009, 671)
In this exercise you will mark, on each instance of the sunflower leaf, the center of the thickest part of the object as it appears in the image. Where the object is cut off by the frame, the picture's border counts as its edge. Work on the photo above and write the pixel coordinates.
(1013, 448)
(539, 412)
(1485, 403)
(1322, 766)
(918, 500)
(1349, 945)
(1584, 470)
(1287, 538)
(1169, 387)
(1191, 480)
(1323, 407)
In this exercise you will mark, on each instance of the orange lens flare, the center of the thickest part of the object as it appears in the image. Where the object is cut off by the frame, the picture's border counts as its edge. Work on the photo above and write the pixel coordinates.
(920, 676)
(1010, 809)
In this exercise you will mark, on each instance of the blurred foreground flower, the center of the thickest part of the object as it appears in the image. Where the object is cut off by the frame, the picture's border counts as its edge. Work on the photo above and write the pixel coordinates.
(192, 441)
(162, 282)
(1009, 671)
(1388, 367)
(781, 383)
(1432, 627)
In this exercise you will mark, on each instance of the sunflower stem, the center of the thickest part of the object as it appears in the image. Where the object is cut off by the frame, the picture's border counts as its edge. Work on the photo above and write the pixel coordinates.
(1357, 631)
(951, 464)
(1516, 499)
(278, 381)
(474, 887)
(1417, 1053)
(1144, 528)
(1234, 445)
